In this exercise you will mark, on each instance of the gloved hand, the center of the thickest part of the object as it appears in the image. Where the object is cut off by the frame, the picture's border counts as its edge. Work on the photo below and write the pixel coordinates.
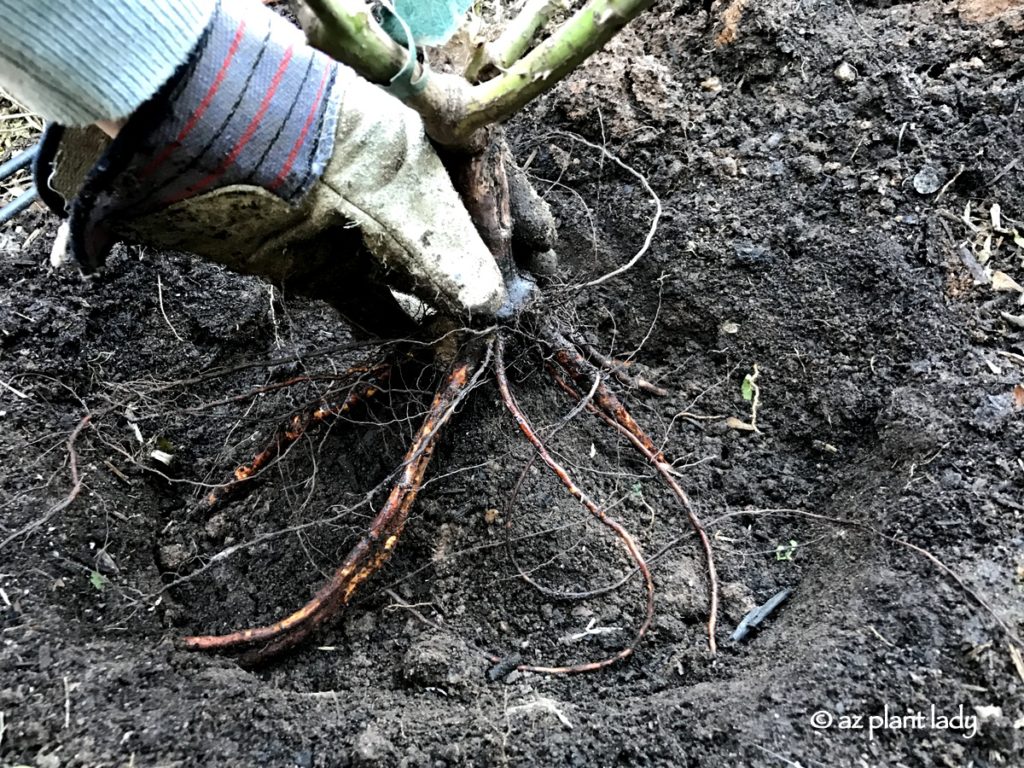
(258, 154)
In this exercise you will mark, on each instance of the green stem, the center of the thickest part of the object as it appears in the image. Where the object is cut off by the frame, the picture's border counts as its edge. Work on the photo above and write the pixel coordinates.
(514, 39)
(452, 111)
(346, 30)
(571, 44)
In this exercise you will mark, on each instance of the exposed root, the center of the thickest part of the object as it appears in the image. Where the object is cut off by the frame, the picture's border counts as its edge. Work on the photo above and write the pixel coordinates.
(655, 219)
(482, 179)
(373, 377)
(610, 409)
(627, 539)
(373, 550)
(618, 369)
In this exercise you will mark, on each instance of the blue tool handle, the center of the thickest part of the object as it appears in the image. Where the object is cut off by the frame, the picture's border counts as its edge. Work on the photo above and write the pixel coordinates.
(18, 162)
(16, 206)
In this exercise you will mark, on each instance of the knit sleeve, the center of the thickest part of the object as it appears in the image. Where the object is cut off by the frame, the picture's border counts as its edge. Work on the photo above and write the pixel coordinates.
(79, 61)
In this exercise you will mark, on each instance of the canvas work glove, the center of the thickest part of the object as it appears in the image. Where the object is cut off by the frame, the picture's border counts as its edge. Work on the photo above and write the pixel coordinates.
(260, 154)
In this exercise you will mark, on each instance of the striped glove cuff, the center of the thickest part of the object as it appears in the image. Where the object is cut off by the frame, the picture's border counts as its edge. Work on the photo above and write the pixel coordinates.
(253, 105)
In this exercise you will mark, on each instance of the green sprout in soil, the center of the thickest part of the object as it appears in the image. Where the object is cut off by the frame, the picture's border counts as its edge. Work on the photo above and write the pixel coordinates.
(751, 392)
(98, 581)
(785, 552)
(747, 388)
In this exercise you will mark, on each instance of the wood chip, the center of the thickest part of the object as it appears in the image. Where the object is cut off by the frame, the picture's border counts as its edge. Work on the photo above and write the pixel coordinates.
(1018, 660)
(977, 271)
(733, 423)
(1003, 282)
(1017, 320)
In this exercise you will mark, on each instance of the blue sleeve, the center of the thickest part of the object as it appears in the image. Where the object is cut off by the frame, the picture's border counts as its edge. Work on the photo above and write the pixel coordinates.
(76, 62)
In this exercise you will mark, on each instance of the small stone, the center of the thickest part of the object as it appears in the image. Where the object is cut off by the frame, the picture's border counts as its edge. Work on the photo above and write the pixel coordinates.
(172, 556)
(711, 85)
(951, 479)
(729, 166)
(217, 527)
(372, 748)
(988, 712)
(926, 181)
(750, 254)
(438, 661)
(845, 73)
(490, 516)
(105, 563)
(807, 165)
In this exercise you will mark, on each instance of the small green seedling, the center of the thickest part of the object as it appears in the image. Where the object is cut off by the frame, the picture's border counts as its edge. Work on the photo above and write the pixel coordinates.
(751, 392)
(98, 581)
(747, 388)
(786, 551)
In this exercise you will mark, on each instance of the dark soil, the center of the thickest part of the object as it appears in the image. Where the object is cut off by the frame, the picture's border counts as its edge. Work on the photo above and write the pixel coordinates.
(794, 237)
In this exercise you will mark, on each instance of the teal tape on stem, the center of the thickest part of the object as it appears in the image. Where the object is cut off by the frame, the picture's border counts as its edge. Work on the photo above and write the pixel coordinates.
(432, 22)
(402, 85)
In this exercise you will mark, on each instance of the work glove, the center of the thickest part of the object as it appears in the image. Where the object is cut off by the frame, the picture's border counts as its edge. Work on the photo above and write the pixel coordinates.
(260, 154)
